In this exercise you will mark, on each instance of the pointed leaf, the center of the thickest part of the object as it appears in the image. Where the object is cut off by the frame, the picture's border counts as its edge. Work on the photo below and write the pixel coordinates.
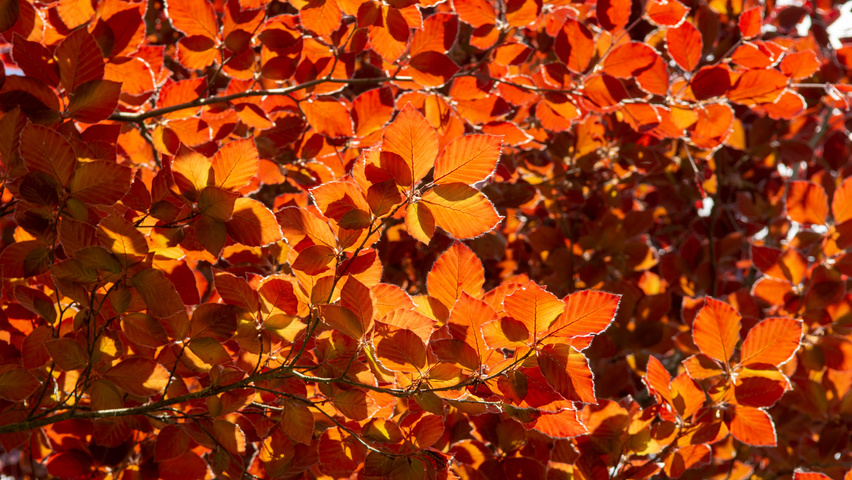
(567, 371)
(773, 341)
(716, 329)
(235, 164)
(457, 270)
(461, 210)
(586, 313)
(468, 159)
(753, 426)
(535, 307)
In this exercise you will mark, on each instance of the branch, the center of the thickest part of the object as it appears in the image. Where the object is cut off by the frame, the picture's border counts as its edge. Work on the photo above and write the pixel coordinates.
(200, 102)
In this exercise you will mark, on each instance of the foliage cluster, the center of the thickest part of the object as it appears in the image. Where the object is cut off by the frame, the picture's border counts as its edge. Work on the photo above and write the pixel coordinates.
(425, 239)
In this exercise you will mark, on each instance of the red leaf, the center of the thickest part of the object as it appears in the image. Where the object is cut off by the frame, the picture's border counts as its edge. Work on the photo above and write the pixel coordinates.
(657, 378)
(758, 86)
(750, 22)
(666, 13)
(193, 17)
(613, 14)
(628, 59)
(685, 45)
(807, 203)
(575, 45)
(567, 371)
(753, 427)
(71, 463)
(716, 329)
(79, 59)
(45, 150)
(432, 69)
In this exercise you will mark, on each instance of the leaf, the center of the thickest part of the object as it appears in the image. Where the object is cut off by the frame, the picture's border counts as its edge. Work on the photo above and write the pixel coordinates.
(563, 424)
(475, 13)
(687, 396)
(94, 101)
(100, 182)
(419, 222)
(279, 292)
(666, 13)
(465, 323)
(235, 164)
(456, 271)
(758, 86)
(685, 45)
(193, 17)
(297, 422)
(807, 203)
(628, 59)
(67, 353)
(45, 150)
(773, 341)
(358, 299)
(79, 59)
(253, 224)
(841, 202)
(567, 371)
(800, 65)
(759, 391)
(716, 329)
(71, 463)
(753, 426)
(461, 210)
(236, 291)
(17, 385)
(613, 15)
(432, 69)
(328, 117)
(535, 307)
(803, 475)
(414, 140)
(657, 378)
(402, 351)
(575, 45)
(686, 457)
(321, 16)
(171, 441)
(468, 159)
(750, 22)
(158, 293)
(586, 313)
(138, 376)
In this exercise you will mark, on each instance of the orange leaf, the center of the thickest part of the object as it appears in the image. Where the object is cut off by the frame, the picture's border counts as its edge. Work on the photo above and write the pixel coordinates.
(328, 116)
(759, 391)
(402, 351)
(235, 164)
(753, 427)
(799, 65)
(475, 13)
(687, 396)
(432, 69)
(628, 59)
(461, 210)
(321, 16)
(465, 323)
(750, 22)
(758, 86)
(419, 222)
(253, 224)
(772, 342)
(666, 13)
(716, 329)
(358, 299)
(468, 159)
(567, 371)
(564, 424)
(657, 378)
(138, 376)
(575, 45)
(807, 203)
(613, 14)
(686, 457)
(412, 139)
(841, 203)
(193, 17)
(457, 271)
(685, 45)
(586, 313)
(803, 475)
(535, 307)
